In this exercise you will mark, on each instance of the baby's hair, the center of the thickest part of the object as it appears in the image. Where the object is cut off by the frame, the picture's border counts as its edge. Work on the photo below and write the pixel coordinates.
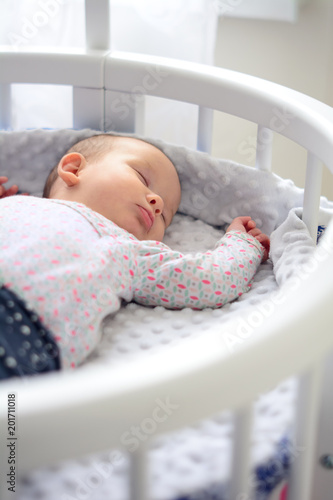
(91, 148)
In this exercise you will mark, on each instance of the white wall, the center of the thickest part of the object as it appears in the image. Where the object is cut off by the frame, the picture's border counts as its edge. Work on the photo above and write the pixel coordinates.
(297, 55)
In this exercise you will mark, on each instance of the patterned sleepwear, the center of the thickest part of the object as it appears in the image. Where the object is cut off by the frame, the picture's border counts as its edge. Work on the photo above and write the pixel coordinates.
(73, 267)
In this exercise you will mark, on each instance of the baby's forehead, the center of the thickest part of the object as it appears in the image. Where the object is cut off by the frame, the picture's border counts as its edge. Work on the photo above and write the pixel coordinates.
(140, 147)
(153, 157)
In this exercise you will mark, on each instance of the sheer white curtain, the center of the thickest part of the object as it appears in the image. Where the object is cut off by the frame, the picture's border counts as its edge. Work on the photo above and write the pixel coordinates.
(184, 29)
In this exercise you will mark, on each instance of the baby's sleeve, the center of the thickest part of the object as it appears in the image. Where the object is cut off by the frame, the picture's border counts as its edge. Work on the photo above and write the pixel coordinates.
(168, 278)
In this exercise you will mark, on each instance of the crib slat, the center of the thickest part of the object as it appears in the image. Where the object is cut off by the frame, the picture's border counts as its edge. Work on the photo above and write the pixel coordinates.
(140, 116)
(88, 108)
(241, 484)
(124, 112)
(312, 192)
(138, 474)
(97, 24)
(5, 106)
(322, 484)
(205, 128)
(303, 454)
(264, 148)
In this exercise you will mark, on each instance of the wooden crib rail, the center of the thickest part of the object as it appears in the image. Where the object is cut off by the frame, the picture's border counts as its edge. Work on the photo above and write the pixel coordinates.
(97, 20)
(78, 68)
(273, 107)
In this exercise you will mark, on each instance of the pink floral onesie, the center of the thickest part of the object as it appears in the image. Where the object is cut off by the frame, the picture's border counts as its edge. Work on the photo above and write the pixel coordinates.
(74, 267)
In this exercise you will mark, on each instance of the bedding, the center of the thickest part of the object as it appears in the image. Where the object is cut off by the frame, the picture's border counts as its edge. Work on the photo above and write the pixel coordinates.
(213, 190)
(192, 463)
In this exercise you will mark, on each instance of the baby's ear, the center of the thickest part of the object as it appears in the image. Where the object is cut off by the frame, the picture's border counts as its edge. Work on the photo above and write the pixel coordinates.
(69, 167)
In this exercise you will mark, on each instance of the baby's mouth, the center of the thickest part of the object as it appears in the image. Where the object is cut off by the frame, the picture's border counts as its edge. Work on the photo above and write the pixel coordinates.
(147, 217)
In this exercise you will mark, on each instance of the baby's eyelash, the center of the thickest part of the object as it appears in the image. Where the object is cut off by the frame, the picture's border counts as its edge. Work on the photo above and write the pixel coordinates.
(143, 178)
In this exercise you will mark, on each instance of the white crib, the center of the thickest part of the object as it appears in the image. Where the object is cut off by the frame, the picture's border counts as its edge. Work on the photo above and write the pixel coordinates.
(73, 414)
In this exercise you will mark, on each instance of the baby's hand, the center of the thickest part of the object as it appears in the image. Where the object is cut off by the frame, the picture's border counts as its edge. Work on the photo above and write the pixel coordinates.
(246, 224)
(243, 224)
(263, 240)
(6, 192)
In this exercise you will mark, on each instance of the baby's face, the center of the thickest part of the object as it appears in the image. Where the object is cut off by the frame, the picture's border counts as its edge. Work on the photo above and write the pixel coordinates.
(135, 186)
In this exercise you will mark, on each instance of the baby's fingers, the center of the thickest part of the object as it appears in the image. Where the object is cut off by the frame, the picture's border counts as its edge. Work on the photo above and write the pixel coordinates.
(265, 242)
(250, 225)
(2, 181)
(254, 232)
(6, 192)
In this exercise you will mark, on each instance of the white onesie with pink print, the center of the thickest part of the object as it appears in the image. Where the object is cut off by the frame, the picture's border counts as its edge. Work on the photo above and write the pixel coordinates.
(73, 267)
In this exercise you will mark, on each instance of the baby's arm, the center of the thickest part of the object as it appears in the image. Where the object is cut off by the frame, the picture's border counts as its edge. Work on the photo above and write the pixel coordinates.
(6, 192)
(212, 279)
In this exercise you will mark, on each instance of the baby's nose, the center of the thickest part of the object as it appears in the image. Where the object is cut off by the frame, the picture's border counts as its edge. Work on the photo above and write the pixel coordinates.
(156, 203)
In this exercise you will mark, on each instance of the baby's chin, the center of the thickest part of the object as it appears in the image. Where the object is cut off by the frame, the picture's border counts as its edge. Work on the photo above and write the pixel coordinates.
(149, 238)
(143, 237)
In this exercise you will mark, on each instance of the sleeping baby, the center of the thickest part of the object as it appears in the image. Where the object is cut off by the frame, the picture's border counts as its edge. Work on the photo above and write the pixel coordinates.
(69, 259)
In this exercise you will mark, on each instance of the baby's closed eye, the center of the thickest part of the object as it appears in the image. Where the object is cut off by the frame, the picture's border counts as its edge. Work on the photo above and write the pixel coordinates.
(142, 177)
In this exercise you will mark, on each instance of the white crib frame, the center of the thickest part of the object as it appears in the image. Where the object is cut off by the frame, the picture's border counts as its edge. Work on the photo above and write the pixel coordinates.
(67, 415)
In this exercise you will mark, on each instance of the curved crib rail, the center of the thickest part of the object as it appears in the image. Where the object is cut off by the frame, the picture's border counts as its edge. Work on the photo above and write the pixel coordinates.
(109, 398)
(288, 112)
(301, 118)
